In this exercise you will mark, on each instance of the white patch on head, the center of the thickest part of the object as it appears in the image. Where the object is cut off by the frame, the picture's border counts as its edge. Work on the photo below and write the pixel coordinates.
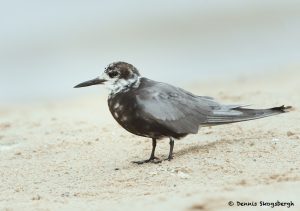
(111, 65)
(115, 85)
(116, 114)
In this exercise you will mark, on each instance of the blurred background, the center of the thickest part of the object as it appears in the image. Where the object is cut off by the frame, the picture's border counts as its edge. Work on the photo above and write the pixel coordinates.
(47, 47)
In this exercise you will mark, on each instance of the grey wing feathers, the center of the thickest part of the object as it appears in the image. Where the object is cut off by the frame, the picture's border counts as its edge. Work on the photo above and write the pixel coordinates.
(239, 114)
(174, 108)
(182, 112)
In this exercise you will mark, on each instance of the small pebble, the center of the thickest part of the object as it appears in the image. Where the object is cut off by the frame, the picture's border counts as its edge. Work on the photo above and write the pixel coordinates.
(183, 175)
(153, 173)
(66, 194)
(36, 198)
(4, 125)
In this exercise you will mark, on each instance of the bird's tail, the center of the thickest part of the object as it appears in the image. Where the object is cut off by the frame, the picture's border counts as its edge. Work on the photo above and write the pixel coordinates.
(239, 114)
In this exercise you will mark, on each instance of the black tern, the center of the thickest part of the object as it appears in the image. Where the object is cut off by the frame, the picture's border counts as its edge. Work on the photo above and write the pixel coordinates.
(158, 110)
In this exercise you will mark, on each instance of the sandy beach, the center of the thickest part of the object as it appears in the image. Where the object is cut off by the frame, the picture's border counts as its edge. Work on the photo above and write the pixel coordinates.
(70, 154)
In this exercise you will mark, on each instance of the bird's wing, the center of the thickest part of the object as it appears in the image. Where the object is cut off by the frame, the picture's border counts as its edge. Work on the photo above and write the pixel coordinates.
(174, 108)
(182, 112)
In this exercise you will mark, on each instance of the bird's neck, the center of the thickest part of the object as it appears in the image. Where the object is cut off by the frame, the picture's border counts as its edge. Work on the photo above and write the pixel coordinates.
(123, 85)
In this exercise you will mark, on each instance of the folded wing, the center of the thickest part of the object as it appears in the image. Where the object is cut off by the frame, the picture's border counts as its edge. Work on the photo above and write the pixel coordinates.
(182, 112)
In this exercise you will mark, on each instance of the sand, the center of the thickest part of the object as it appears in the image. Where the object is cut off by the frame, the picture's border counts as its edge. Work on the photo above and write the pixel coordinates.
(71, 155)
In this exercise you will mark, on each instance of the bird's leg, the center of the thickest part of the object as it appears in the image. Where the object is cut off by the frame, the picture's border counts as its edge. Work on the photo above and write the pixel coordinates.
(152, 158)
(170, 157)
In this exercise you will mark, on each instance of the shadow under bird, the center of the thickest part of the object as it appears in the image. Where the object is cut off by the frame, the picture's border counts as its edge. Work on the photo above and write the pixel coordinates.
(158, 110)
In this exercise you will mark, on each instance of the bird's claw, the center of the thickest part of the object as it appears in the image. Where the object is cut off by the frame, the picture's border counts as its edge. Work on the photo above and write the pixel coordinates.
(154, 160)
(169, 158)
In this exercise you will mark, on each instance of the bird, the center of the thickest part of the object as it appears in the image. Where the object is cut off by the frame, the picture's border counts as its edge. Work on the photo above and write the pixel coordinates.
(158, 110)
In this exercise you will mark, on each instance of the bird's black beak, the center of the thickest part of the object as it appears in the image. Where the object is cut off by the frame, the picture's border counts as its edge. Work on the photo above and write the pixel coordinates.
(90, 83)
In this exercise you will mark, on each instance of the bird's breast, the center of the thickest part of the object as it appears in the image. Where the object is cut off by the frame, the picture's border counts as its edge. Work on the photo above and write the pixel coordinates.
(121, 111)
(124, 111)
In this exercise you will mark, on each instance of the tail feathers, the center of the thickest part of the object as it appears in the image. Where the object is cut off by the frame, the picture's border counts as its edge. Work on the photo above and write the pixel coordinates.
(282, 109)
(240, 114)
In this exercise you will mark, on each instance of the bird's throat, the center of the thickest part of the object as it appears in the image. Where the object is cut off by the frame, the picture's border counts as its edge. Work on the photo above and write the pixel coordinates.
(122, 85)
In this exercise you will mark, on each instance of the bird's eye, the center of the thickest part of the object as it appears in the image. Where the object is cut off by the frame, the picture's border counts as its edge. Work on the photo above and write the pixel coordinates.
(113, 74)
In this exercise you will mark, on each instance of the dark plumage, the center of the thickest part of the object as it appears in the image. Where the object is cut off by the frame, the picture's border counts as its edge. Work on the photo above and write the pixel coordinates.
(158, 110)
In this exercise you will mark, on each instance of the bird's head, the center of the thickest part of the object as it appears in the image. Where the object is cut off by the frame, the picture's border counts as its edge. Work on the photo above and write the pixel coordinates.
(116, 77)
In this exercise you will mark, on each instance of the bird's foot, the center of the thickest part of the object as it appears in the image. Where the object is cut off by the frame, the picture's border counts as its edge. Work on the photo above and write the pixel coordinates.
(154, 160)
(169, 158)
